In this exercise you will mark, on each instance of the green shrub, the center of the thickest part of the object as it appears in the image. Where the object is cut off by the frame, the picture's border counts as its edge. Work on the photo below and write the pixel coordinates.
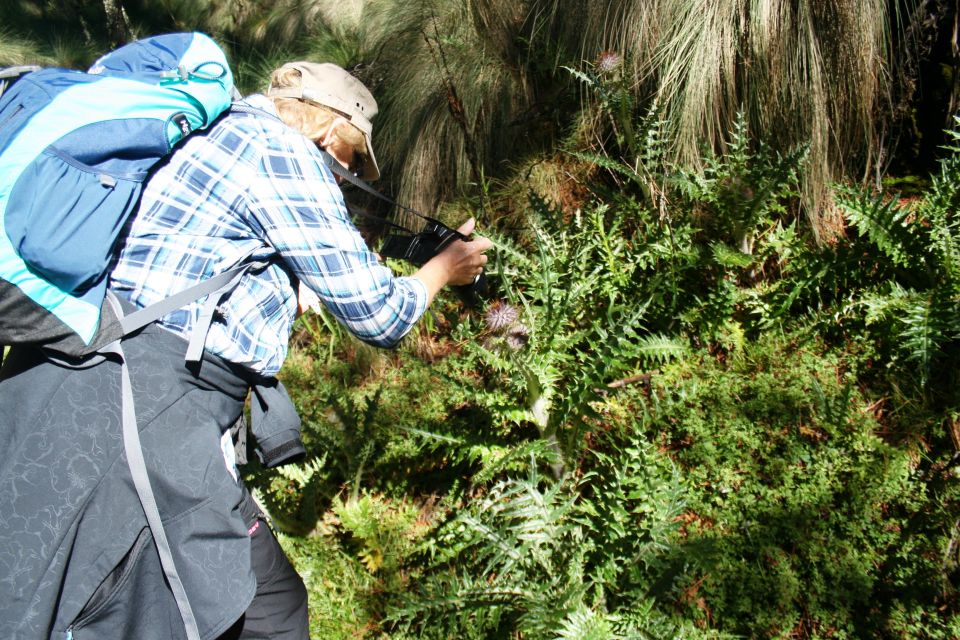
(799, 512)
(343, 595)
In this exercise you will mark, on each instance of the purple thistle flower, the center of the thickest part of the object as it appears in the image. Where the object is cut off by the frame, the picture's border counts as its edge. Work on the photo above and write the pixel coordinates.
(609, 61)
(500, 316)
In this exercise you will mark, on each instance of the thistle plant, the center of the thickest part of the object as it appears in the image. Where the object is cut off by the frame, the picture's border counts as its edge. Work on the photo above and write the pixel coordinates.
(577, 558)
(702, 236)
(915, 311)
(501, 316)
(567, 328)
(806, 73)
(742, 190)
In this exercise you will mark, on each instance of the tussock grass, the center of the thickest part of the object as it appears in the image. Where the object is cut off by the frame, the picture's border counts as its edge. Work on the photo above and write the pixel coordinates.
(16, 51)
(804, 72)
(450, 89)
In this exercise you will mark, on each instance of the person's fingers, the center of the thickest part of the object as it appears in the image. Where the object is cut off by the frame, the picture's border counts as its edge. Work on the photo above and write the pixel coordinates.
(482, 244)
(466, 260)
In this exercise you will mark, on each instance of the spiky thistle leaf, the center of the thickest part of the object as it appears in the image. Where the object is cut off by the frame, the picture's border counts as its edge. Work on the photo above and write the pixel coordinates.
(585, 624)
(884, 224)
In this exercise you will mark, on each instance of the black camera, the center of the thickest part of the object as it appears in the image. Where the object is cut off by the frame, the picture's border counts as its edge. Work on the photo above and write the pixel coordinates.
(418, 248)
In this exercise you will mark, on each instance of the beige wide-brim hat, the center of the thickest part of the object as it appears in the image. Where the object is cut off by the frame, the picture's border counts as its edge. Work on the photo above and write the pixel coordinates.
(331, 86)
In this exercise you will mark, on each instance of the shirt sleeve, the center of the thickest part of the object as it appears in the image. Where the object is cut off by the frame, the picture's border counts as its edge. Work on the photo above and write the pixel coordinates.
(299, 209)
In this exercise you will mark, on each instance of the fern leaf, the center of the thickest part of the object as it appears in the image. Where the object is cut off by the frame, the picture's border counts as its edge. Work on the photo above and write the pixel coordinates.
(730, 258)
(660, 348)
(516, 458)
(924, 330)
(882, 222)
(608, 163)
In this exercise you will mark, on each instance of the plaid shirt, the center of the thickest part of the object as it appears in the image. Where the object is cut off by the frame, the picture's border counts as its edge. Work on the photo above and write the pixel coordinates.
(253, 187)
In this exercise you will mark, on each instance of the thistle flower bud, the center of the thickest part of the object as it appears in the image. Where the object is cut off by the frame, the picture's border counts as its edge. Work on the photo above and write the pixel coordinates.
(518, 336)
(500, 316)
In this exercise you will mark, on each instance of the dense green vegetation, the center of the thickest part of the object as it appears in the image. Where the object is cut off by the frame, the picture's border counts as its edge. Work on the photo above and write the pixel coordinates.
(712, 391)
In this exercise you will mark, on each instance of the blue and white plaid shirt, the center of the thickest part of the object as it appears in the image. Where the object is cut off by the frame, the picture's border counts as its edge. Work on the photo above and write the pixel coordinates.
(252, 187)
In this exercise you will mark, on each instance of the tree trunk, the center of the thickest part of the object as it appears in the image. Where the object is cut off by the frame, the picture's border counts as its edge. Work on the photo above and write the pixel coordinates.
(116, 24)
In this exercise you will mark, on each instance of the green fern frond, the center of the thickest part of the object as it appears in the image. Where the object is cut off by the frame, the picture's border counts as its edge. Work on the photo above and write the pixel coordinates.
(924, 329)
(886, 305)
(730, 258)
(608, 163)
(303, 473)
(944, 245)
(516, 458)
(883, 223)
(455, 593)
(660, 348)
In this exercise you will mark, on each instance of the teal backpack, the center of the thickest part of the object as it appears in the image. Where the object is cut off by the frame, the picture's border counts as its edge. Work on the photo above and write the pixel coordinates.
(75, 149)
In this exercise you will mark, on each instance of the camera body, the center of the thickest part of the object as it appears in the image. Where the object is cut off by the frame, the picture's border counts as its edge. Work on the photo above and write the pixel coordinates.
(416, 247)
(419, 248)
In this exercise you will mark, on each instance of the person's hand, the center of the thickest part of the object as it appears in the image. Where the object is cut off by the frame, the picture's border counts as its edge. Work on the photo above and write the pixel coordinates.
(460, 263)
(465, 261)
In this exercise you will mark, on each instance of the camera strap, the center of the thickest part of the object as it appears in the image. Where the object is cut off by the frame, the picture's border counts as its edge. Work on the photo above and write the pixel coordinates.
(348, 175)
(339, 170)
(415, 247)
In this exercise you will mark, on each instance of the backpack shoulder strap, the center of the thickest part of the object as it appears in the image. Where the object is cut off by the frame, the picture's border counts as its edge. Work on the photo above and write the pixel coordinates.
(213, 288)
(9, 75)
